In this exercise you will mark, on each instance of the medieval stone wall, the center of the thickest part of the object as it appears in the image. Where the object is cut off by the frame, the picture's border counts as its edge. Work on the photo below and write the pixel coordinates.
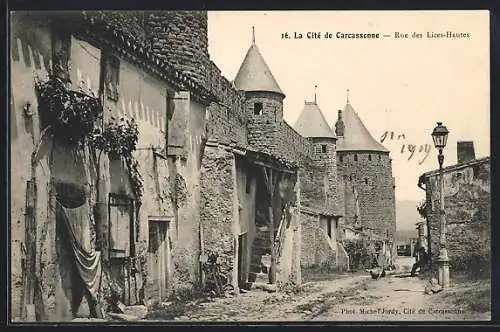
(290, 144)
(371, 176)
(180, 37)
(263, 126)
(468, 211)
(315, 249)
(328, 163)
(226, 118)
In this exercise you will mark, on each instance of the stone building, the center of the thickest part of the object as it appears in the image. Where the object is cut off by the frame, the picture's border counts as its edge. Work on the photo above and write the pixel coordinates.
(467, 191)
(216, 168)
(143, 248)
(365, 182)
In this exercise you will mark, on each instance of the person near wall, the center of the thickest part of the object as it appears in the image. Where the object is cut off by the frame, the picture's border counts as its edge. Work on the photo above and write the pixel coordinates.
(422, 260)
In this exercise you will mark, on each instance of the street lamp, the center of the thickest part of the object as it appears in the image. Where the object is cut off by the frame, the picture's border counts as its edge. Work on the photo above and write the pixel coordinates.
(440, 136)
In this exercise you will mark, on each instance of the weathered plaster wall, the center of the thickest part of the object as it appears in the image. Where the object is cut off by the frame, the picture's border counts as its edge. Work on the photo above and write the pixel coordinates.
(186, 246)
(140, 97)
(219, 209)
(288, 268)
(467, 207)
(375, 188)
(30, 55)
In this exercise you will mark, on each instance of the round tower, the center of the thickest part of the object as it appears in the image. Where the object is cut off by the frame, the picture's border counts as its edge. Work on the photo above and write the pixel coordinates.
(181, 38)
(365, 177)
(263, 99)
(312, 124)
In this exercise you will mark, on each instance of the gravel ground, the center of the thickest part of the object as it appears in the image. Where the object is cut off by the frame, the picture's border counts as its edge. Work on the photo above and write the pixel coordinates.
(345, 298)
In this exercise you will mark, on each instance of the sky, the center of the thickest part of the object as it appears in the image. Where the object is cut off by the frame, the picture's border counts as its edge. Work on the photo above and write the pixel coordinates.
(400, 85)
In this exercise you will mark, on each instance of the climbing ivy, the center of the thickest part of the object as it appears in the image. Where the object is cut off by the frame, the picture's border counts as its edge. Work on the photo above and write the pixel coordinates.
(119, 140)
(70, 114)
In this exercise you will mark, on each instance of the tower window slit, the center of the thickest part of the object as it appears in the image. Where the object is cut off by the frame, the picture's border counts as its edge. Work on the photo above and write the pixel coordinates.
(257, 108)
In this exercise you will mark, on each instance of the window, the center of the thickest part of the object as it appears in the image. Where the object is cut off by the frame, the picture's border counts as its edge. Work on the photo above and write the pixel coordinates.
(329, 228)
(121, 226)
(370, 157)
(111, 76)
(341, 159)
(379, 157)
(475, 171)
(366, 180)
(257, 108)
(323, 148)
(317, 149)
(355, 157)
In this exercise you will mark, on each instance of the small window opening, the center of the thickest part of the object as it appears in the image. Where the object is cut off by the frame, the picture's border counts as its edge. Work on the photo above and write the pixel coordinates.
(323, 148)
(341, 159)
(370, 157)
(257, 108)
(355, 157)
(366, 180)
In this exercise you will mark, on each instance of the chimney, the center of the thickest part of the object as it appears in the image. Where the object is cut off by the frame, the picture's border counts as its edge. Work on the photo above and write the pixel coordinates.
(339, 125)
(465, 151)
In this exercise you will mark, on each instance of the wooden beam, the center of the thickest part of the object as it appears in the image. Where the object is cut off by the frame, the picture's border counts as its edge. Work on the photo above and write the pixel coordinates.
(268, 165)
(272, 183)
(266, 179)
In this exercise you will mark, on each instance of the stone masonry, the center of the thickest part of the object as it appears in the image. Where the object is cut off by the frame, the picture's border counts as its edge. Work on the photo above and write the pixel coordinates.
(467, 208)
(371, 176)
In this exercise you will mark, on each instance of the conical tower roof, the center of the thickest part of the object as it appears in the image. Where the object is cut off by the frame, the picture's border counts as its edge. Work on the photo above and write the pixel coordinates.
(356, 136)
(254, 73)
(312, 122)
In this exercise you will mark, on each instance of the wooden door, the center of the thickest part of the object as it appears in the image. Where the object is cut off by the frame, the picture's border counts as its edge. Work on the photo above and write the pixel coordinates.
(159, 251)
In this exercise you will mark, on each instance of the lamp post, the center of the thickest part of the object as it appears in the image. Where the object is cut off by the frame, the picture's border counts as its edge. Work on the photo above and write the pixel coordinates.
(440, 136)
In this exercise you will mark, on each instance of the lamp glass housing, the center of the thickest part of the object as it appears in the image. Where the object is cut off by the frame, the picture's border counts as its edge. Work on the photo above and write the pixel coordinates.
(440, 136)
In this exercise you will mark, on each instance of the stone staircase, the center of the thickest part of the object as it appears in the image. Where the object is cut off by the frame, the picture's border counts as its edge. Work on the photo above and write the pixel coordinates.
(261, 246)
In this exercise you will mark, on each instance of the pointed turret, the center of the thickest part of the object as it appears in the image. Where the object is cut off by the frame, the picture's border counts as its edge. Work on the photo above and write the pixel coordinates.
(352, 133)
(254, 73)
(312, 123)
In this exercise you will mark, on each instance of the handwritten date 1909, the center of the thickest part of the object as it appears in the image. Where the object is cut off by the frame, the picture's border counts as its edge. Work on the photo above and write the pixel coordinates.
(411, 148)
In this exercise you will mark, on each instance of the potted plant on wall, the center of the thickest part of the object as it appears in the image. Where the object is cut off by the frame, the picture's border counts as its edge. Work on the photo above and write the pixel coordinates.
(119, 140)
